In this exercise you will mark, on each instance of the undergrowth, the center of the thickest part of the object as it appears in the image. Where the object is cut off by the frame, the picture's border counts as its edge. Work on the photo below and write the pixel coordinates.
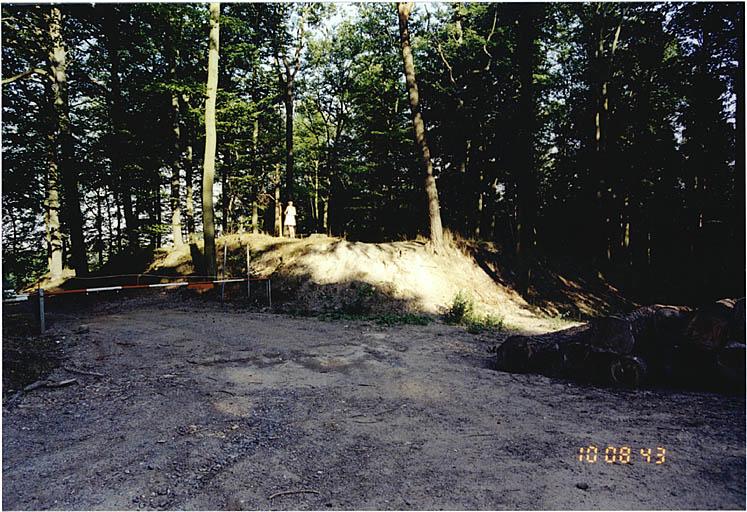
(462, 312)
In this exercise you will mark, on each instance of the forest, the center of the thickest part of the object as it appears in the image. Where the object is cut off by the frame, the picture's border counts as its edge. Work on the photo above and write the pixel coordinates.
(607, 137)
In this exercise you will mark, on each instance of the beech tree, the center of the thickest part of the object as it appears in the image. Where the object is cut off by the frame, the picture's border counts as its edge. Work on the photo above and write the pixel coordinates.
(208, 168)
(434, 214)
(52, 197)
(177, 160)
(526, 180)
(288, 62)
(65, 142)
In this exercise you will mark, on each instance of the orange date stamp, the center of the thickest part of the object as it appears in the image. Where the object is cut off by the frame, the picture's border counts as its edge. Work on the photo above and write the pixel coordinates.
(621, 455)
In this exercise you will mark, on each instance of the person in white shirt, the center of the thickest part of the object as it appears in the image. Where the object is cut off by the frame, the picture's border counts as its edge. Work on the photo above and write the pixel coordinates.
(290, 219)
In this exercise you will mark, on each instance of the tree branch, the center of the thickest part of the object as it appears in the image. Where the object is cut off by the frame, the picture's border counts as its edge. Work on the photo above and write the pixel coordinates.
(28, 72)
(299, 46)
(617, 33)
(281, 78)
(485, 46)
(446, 62)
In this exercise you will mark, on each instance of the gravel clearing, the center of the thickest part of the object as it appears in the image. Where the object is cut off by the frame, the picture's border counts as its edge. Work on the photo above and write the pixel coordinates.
(204, 406)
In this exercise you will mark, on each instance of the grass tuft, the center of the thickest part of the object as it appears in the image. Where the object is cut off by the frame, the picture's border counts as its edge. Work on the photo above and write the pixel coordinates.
(463, 312)
(487, 322)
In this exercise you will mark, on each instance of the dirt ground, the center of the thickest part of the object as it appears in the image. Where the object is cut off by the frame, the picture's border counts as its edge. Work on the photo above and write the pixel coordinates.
(204, 406)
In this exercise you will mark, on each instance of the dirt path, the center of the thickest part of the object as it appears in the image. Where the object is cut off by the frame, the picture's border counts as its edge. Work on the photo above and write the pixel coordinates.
(204, 407)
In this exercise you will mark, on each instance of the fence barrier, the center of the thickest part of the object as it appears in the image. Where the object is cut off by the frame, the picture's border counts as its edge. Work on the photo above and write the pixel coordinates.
(199, 285)
(40, 295)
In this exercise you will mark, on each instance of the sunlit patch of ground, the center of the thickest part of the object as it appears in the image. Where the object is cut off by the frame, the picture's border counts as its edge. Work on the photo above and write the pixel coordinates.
(321, 273)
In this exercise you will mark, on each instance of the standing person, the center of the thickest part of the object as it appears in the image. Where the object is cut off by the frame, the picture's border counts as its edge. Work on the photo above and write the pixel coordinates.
(290, 219)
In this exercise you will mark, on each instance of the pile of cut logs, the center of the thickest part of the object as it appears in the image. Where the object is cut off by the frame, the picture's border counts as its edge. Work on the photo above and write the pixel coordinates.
(653, 344)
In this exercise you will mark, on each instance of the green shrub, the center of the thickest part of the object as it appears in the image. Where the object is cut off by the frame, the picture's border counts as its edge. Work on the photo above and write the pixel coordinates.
(462, 306)
(365, 294)
(462, 312)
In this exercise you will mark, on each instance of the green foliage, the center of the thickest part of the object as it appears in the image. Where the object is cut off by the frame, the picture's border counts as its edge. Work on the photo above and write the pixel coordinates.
(364, 296)
(668, 173)
(461, 308)
(462, 311)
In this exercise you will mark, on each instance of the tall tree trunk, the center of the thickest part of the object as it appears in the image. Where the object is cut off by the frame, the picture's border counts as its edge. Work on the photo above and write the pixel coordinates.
(598, 174)
(434, 214)
(99, 227)
(602, 187)
(58, 66)
(289, 140)
(176, 160)
(325, 215)
(157, 211)
(739, 170)
(120, 221)
(117, 114)
(474, 209)
(208, 168)
(131, 217)
(255, 172)
(463, 213)
(13, 238)
(615, 200)
(702, 157)
(278, 205)
(255, 217)
(225, 193)
(315, 203)
(480, 206)
(111, 240)
(52, 202)
(526, 180)
(188, 165)
(287, 79)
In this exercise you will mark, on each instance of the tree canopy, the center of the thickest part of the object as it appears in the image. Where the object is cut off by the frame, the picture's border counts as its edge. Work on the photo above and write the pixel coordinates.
(609, 136)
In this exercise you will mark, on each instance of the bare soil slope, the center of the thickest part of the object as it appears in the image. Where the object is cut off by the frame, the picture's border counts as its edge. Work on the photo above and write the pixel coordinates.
(321, 274)
(209, 407)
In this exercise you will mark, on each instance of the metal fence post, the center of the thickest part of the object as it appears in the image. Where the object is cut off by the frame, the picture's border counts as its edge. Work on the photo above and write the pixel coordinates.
(248, 274)
(42, 324)
(269, 292)
(225, 254)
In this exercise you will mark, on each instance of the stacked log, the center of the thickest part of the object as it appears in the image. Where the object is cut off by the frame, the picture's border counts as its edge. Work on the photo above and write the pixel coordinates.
(520, 354)
(653, 343)
(709, 328)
